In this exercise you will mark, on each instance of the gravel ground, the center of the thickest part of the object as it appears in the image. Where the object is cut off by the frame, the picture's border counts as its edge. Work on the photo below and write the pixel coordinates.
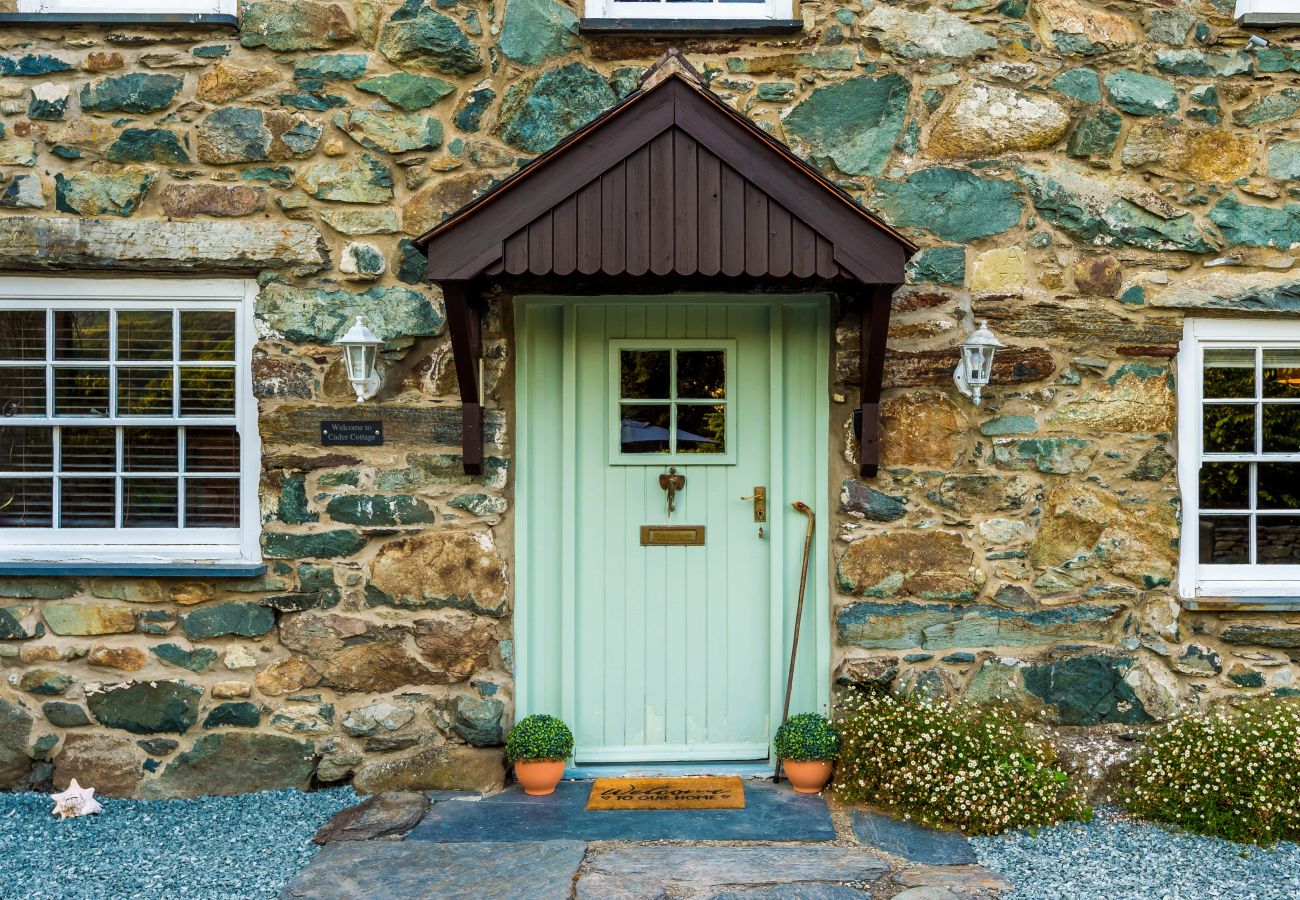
(1117, 858)
(232, 848)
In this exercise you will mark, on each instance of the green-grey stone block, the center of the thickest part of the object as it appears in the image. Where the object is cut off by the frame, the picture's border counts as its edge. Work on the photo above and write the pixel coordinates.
(312, 545)
(535, 30)
(953, 204)
(239, 714)
(851, 124)
(136, 92)
(146, 707)
(195, 660)
(538, 113)
(221, 619)
(1141, 95)
(407, 91)
(1081, 84)
(378, 509)
(62, 714)
(938, 265)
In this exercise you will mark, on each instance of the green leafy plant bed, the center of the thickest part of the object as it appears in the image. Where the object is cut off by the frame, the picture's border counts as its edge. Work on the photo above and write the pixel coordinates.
(980, 771)
(539, 736)
(1233, 774)
(807, 737)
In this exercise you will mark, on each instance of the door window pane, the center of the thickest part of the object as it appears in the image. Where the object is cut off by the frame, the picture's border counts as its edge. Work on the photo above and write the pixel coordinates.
(1229, 373)
(211, 450)
(702, 374)
(81, 334)
(88, 450)
(81, 392)
(144, 391)
(207, 391)
(644, 428)
(211, 503)
(701, 428)
(208, 336)
(26, 502)
(644, 374)
(144, 334)
(1229, 428)
(150, 503)
(22, 390)
(149, 449)
(1277, 540)
(1225, 540)
(1225, 486)
(22, 333)
(1281, 427)
(87, 502)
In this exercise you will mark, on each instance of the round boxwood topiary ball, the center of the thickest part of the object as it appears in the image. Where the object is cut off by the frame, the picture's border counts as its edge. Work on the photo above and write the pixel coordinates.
(807, 737)
(539, 736)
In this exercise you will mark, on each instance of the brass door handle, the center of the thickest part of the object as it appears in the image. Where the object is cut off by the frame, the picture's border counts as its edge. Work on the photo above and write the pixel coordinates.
(760, 503)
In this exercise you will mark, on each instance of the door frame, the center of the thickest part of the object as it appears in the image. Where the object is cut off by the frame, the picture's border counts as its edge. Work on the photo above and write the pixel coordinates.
(786, 530)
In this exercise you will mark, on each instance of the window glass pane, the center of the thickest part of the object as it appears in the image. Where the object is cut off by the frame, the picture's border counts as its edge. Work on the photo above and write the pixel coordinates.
(211, 502)
(207, 391)
(26, 449)
(702, 374)
(81, 392)
(644, 374)
(1229, 372)
(208, 335)
(211, 450)
(1225, 540)
(149, 449)
(701, 428)
(1277, 540)
(144, 334)
(87, 503)
(144, 391)
(1225, 486)
(1281, 427)
(1282, 373)
(1229, 428)
(149, 503)
(81, 334)
(26, 502)
(1278, 486)
(88, 449)
(22, 333)
(644, 428)
(22, 390)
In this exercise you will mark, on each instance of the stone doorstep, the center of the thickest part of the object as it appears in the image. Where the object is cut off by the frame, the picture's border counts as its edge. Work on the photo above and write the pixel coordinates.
(909, 840)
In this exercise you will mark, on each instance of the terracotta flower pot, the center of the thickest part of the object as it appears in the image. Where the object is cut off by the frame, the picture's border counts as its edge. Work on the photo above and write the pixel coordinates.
(539, 777)
(807, 777)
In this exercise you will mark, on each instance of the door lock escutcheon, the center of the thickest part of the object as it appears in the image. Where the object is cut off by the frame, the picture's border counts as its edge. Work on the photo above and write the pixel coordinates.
(760, 502)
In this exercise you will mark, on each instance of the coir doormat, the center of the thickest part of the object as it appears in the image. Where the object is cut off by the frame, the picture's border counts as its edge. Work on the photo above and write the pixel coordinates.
(727, 792)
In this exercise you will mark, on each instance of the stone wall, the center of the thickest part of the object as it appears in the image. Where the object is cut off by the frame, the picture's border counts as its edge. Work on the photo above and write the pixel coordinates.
(1068, 169)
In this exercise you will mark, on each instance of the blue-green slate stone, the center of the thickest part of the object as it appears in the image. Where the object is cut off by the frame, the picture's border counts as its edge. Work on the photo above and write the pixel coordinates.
(536, 115)
(953, 204)
(417, 36)
(852, 124)
(469, 111)
(32, 64)
(331, 67)
(147, 145)
(1141, 95)
(240, 714)
(134, 93)
(1081, 84)
(1257, 226)
(1095, 136)
(319, 544)
(196, 660)
(1087, 690)
(378, 509)
(221, 619)
(62, 714)
(407, 91)
(938, 265)
(147, 707)
(1284, 160)
(1009, 424)
(535, 30)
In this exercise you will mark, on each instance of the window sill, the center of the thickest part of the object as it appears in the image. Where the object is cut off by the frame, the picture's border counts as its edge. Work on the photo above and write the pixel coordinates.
(689, 26)
(1241, 604)
(230, 569)
(181, 20)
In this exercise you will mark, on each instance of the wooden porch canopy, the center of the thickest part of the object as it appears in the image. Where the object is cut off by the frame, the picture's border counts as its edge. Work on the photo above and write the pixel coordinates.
(668, 189)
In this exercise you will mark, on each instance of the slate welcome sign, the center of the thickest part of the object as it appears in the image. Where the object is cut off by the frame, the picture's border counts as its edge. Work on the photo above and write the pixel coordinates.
(338, 433)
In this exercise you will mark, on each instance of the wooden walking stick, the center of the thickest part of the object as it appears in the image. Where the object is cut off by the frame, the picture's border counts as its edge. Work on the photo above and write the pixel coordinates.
(798, 616)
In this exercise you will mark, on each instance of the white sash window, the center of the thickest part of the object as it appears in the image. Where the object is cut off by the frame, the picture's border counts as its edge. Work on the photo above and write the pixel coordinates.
(142, 7)
(128, 426)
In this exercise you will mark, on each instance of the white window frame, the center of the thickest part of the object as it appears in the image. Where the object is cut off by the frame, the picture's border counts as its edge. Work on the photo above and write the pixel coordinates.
(132, 7)
(1267, 12)
(716, 9)
(1194, 579)
(142, 545)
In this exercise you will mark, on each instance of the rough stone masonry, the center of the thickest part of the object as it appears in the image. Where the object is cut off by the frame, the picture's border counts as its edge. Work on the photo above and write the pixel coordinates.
(1068, 169)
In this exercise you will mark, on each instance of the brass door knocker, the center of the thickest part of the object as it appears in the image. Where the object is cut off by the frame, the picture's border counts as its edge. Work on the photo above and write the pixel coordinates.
(672, 483)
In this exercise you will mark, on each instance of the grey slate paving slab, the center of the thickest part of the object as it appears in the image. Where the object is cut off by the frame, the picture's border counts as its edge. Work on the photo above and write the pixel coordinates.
(911, 841)
(805, 891)
(738, 867)
(427, 871)
(771, 813)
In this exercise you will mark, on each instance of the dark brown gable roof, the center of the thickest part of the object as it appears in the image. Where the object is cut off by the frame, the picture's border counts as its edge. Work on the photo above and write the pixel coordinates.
(669, 181)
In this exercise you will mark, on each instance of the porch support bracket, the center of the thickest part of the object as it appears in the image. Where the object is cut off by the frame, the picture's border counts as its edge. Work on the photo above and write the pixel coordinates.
(871, 370)
(465, 324)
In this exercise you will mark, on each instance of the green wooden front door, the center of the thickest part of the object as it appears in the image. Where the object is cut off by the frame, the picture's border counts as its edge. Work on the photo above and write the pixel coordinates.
(658, 652)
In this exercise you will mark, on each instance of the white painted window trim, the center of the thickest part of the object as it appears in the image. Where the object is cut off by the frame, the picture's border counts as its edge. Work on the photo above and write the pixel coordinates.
(1267, 12)
(132, 7)
(715, 9)
(1196, 580)
(146, 545)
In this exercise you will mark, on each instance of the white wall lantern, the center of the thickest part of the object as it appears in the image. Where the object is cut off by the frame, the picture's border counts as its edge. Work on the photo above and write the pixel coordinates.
(360, 350)
(976, 366)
